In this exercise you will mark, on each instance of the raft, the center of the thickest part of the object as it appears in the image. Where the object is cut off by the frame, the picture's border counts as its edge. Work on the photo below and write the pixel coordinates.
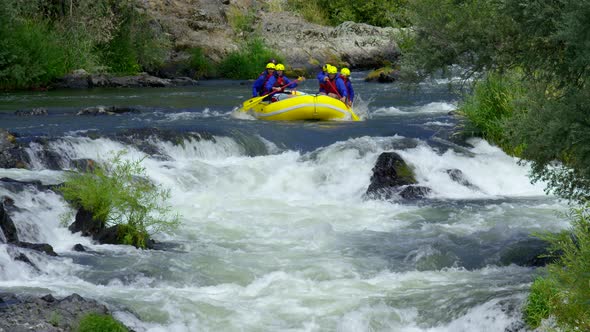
(285, 107)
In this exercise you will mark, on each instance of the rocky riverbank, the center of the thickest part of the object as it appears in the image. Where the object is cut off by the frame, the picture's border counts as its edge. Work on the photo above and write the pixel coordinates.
(46, 313)
(206, 24)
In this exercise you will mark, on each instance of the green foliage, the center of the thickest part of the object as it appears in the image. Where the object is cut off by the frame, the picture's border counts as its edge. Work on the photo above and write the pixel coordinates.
(539, 301)
(491, 105)
(43, 40)
(135, 45)
(375, 12)
(31, 53)
(241, 20)
(312, 11)
(448, 32)
(102, 323)
(566, 289)
(557, 129)
(542, 41)
(248, 62)
(200, 64)
(117, 193)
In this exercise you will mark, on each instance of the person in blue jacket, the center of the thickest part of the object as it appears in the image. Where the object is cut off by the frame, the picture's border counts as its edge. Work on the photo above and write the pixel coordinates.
(258, 87)
(279, 81)
(322, 78)
(335, 86)
(345, 76)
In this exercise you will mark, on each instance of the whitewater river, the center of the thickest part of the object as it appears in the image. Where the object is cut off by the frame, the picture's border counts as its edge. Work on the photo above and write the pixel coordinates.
(276, 234)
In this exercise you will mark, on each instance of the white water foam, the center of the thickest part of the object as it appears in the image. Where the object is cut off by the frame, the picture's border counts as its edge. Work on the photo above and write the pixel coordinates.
(266, 241)
(430, 108)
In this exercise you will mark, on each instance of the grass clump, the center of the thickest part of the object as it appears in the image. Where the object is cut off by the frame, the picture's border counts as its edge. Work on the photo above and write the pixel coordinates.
(248, 62)
(538, 304)
(118, 193)
(102, 323)
(487, 110)
(565, 292)
(241, 19)
(200, 64)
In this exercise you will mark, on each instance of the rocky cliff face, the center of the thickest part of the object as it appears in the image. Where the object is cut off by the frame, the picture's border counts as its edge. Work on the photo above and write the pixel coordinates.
(205, 24)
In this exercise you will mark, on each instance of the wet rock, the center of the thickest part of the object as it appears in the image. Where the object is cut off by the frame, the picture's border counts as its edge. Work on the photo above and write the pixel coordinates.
(85, 223)
(46, 313)
(532, 252)
(106, 110)
(83, 165)
(458, 176)
(78, 79)
(18, 186)
(48, 298)
(23, 258)
(33, 112)
(108, 235)
(144, 138)
(414, 192)
(88, 226)
(50, 159)
(389, 174)
(12, 155)
(42, 247)
(7, 226)
(83, 80)
(78, 247)
(383, 75)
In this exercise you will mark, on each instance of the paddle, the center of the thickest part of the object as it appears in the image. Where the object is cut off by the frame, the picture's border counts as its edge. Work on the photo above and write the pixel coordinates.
(354, 116)
(248, 104)
(338, 93)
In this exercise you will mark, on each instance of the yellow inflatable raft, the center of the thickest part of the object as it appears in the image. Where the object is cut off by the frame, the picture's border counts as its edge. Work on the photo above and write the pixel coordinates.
(283, 107)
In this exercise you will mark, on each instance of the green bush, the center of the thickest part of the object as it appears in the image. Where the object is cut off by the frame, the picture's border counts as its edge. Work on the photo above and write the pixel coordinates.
(248, 62)
(135, 45)
(333, 12)
(102, 323)
(539, 301)
(117, 193)
(30, 53)
(570, 275)
(41, 41)
(490, 106)
(200, 64)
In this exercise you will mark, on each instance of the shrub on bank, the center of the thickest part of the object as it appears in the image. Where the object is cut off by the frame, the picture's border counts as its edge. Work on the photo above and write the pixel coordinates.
(102, 323)
(41, 41)
(118, 193)
(491, 105)
(565, 292)
(381, 13)
(248, 62)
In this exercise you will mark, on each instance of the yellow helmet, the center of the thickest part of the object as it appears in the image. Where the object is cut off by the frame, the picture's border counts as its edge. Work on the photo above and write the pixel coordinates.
(325, 67)
(332, 70)
(280, 66)
(345, 71)
(270, 65)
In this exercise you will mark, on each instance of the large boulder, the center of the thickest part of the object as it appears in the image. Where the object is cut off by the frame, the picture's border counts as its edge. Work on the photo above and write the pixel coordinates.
(393, 178)
(12, 155)
(309, 45)
(206, 24)
(7, 227)
(85, 223)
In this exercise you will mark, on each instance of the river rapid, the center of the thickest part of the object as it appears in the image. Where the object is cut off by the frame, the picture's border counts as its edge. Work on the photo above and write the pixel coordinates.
(276, 234)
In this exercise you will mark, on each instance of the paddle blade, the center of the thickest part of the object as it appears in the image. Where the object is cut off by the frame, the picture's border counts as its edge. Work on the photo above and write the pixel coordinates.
(251, 102)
